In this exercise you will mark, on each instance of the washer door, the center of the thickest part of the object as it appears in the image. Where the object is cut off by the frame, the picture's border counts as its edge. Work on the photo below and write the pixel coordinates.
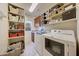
(54, 48)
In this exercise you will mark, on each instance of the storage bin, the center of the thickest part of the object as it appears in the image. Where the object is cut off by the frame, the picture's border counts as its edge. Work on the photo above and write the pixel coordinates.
(14, 10)
(15, 52)
(12, 35)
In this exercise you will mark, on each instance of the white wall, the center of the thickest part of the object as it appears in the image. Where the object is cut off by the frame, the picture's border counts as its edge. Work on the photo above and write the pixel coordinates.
(77, 13)
(3, 29)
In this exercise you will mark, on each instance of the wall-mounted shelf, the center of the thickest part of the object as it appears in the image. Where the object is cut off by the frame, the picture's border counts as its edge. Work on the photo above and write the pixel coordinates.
(56, 12)
(67, 4)
(55, 16)
(70, 20)
(59, 14)
(15, 14)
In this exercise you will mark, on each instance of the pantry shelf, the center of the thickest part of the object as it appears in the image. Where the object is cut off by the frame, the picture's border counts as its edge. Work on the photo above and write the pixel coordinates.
(16, 29)
(15, 6)
(16, 37)
(14, 41)
(15, 21)
(12, 50)
(14, 14)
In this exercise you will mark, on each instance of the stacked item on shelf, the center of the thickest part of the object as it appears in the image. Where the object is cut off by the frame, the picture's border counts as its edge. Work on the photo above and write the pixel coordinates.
(16, 13)
(16, 18)
(12, 25)
(16, 26)
(59, 8)
(57, 12)
(21, 19)
(21, 12)
(14, 46)
(52, 12)
(14, 50)
(20, 26)
(15, 10)
(69, 6)
(16, 34)
(69, 14)
(13, 18)
(55, 21)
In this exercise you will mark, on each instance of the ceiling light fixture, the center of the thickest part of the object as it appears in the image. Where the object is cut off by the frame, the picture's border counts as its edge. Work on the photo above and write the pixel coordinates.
(33, 6)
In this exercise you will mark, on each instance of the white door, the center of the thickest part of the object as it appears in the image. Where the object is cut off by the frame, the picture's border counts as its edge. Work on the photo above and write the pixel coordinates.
(27, 38)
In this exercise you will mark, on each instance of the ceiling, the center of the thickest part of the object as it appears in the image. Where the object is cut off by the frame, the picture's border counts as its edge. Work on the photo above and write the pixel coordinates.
(41, 8)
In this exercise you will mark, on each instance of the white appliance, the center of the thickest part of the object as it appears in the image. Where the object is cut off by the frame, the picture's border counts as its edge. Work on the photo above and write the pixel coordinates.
(39, 43)
(38, 40)
(59, 43)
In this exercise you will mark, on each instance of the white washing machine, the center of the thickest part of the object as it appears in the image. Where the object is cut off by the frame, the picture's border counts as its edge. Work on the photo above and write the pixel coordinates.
(59, 43)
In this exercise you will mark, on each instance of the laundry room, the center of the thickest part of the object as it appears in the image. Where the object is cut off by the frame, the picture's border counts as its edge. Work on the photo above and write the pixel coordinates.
(39, 29)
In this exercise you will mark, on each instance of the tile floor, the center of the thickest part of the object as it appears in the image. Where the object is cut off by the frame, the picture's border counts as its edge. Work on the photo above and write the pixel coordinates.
(30, 50)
